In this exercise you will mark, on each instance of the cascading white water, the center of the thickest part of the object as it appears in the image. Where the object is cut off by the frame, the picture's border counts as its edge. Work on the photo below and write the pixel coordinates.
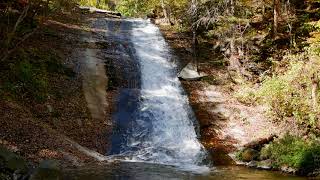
(164, 130)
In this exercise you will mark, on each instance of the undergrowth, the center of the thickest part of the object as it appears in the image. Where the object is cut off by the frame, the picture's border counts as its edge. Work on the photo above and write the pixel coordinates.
(93, 3)
(295, 152)
(288, 92)
(27, 75)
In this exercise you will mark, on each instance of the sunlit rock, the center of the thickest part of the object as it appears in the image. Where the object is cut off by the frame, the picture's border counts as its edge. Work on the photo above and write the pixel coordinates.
(190, 73)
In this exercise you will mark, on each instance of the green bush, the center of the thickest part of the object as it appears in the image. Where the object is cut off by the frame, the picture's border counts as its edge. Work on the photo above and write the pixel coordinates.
(132, 8)
(246, 94)
(93, 3)
(292, 151)
(289, 92)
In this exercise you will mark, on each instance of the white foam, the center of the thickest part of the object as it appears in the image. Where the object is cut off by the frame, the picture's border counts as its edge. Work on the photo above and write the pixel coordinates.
(172, 138)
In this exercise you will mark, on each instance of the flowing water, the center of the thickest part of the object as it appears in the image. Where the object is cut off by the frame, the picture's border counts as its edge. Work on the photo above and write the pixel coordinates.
(162, 125)
(155, 134)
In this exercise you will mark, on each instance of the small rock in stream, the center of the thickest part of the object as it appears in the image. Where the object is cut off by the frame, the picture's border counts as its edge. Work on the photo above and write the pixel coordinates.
(266, 164)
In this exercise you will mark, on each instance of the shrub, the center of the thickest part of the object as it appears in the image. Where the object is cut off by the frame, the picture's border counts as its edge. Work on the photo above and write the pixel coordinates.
(294, 152)
(289, 92)
(93, 3)
(246, 94)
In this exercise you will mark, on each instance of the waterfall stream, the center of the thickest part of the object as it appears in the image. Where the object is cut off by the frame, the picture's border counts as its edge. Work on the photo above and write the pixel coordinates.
(160, 128)
(154, 134)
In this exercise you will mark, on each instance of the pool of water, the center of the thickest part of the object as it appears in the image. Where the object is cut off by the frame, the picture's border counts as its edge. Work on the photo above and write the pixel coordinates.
(149, 171)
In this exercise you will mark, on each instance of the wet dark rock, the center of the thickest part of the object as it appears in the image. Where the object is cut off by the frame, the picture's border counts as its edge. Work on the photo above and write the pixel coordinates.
(12, 161)
(252, 164)
(12, 166)
(47, 170)
(249, 154)
(220, 157)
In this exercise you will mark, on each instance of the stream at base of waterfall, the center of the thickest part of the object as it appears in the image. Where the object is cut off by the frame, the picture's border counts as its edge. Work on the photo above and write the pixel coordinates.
(155, 134)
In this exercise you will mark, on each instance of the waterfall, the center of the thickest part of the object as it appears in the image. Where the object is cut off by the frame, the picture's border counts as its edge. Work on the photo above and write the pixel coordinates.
(162, 130)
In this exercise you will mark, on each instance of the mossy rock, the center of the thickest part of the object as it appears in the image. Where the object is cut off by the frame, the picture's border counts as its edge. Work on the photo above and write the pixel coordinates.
(47, 170)
(248, 155)
(11, 161)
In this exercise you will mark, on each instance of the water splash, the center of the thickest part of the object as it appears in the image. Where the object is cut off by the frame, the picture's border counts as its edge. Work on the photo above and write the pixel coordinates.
(163, 129)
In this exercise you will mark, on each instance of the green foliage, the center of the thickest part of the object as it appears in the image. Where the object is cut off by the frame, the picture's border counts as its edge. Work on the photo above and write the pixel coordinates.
(293, 152)
(136, 8)
(246, 94)
(64, 5)
(247, 155)
(288, 93)
(93, 3)
(141, 8)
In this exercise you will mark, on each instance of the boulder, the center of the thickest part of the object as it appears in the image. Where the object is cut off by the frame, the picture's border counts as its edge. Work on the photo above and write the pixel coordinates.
(12, 166)
(190, 73)
(11, 161)
(265, 164)
(249, 154)
(252, 164)
(47, 170)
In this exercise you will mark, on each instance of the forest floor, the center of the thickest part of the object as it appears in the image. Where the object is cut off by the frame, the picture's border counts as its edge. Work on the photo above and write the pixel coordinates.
(65, 126)
(61, 126)
(226, 125)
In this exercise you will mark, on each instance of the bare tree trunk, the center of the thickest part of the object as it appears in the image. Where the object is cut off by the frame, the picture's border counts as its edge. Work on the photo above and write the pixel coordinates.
(234, 56)
(112, 5)
(165, 12)
(9, 52)
(47, 8)
(98, 3)
(20, 20)
(315, 87)
(136, 6)
(194, 32)
(276, 16)
(232, 7)
(234, 59)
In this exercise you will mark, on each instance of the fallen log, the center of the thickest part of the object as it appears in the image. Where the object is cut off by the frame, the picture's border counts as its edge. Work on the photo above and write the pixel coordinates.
(86, 9)
(259, 143)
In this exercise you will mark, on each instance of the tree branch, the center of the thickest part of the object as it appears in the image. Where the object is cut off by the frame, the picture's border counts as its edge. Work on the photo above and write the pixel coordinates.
(25, 37)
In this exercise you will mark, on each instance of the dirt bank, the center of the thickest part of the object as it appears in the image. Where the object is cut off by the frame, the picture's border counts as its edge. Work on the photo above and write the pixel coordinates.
(61, 123)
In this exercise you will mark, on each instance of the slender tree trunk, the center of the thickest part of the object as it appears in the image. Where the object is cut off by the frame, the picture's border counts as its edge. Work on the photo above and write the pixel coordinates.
(165, 12)
(194, 32)
(315, 87)
(234, 58)
(18, 22)
(136, 6)
(47, 8)
(232, 7)
(276, 16)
